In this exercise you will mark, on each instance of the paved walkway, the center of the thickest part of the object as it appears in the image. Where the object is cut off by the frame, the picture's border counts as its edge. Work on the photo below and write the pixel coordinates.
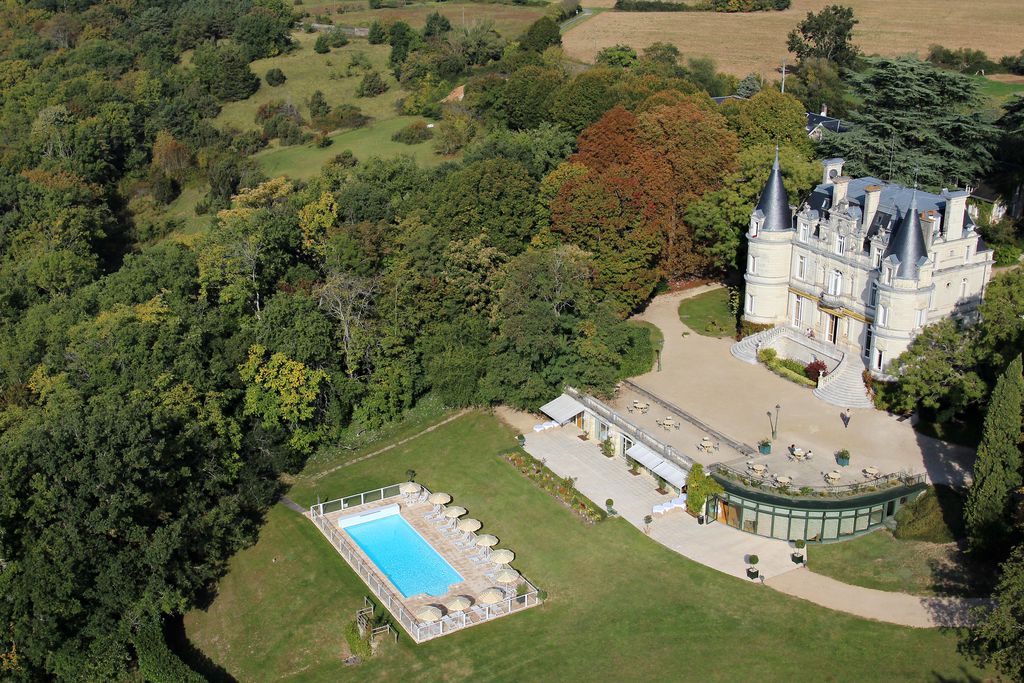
(701, 377)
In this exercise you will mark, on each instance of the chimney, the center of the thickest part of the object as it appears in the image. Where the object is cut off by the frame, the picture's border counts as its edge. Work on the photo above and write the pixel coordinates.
(824, 109)
(930, 221)
(956, 204)
(872, 195)
(831, 169)
(839, 187)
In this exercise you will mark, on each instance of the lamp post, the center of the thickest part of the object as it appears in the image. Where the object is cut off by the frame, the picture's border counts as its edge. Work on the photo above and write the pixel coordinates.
(774, 422)
(658, 351)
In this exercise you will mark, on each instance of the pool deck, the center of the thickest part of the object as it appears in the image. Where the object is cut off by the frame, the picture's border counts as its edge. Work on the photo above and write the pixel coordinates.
(473, 573)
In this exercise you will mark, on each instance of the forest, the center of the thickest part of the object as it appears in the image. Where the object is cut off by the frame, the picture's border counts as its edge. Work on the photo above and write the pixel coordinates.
(154, 391)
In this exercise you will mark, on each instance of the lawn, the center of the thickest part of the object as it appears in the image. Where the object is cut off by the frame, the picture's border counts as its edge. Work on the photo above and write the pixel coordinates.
(509, 20)
(620, 607)
(307, 72)
(879, 560)
(305, 161)
(708, 314)
(743, 43)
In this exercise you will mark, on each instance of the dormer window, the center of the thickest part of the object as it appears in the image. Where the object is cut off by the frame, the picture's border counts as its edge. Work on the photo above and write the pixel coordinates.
(755, 227)
(876, 258)
(802, 233)
(887, 275)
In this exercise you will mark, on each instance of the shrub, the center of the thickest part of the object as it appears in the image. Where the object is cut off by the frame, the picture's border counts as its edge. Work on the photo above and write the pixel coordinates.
(157, 663)
(814, 369)
(321, 140)
(608, 448)
(337, 38)
(415, 133)
(359, 646)
(344, 160)
(373, 84)
(249, 142)
(935, 516)
(378, 34)
(767, 356)
(277, 109)
(1007, 254)
(375, 4)
(964, 59)
(165, 188)
(275, 77)
(342, 116)
(753, 560)
(321, 46)
(748, 328)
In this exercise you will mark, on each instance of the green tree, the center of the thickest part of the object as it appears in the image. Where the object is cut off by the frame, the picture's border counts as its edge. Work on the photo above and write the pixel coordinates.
(321, 46)
(541, 34)
(769, 118)
(540, 150)
(378, 34)
(373, 84)
(994, 636)
(827, 34)
(698, 487)
(528, 95)
(318, 107)
(915, 123)
(661, 53)
(997, 471)
(224, 72)
(263, 30)
(621, 56)
(275, 77)
(584, 99)
(749, 86)
(454, 132)
(436, 25)
(818, 84)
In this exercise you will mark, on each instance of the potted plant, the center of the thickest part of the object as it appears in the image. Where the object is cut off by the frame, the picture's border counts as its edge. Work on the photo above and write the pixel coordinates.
(634, 467)
(843, 457)
(752, 572)
(661, 485)
(798, 555)
(608, 448)
(647, 523)
(521, 439)
(411, 475)
(764, 446)
(608, 505)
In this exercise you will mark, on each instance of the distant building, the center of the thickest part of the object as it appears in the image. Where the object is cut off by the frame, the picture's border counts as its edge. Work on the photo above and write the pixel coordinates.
(864, 264)
(818, 124)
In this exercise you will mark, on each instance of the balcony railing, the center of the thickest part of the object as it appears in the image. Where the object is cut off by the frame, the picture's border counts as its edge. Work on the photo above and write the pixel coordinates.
(833, 301)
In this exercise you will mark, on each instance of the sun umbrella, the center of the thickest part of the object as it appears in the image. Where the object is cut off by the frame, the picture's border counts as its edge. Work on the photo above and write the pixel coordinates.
(439, 498)
(508, 575)
(502, 556)
(410, 487)
(486, 541)
(469, 524)
(491, 596)
(458, 604)
(428, 614)
(455, 511)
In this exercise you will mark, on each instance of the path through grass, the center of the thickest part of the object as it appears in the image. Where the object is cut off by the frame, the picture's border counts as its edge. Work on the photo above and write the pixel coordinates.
(621, 607)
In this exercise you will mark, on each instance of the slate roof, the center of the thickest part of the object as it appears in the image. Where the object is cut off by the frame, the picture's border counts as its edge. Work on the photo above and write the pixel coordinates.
(774, 201)
(906, 243)
(827, 122)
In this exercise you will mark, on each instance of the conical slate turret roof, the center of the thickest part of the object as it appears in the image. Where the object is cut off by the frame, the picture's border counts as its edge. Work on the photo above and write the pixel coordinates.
(774, 201)
(906, 243)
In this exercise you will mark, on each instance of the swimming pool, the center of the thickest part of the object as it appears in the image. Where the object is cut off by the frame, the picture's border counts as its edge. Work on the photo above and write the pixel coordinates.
(411, 563)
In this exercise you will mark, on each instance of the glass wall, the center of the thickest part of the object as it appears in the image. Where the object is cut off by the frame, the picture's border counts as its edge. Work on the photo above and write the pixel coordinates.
(834, 522)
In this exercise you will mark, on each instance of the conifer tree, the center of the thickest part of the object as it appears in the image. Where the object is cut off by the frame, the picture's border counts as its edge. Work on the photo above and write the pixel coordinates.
(997, 470)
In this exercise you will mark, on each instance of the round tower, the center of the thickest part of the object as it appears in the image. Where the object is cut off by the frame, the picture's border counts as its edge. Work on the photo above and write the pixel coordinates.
(769, 253)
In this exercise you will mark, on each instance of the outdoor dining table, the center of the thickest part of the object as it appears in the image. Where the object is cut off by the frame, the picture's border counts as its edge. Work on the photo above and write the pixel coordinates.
(783, 480)
(833, 476)
(871, 471)
(758, 467)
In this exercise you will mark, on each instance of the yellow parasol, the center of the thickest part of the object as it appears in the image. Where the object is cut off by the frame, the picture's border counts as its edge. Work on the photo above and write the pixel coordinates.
(439, 498)
(502, 556)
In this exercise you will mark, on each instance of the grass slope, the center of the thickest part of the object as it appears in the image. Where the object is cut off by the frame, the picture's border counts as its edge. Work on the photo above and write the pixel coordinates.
(509, 20)
(621, 606)
(708, 314)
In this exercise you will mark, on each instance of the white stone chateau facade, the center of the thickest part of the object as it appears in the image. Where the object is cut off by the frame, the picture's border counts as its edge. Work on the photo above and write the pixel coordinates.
(863, 264)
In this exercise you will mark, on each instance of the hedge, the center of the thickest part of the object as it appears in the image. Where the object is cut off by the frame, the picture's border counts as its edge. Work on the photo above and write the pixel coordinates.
(157, 663)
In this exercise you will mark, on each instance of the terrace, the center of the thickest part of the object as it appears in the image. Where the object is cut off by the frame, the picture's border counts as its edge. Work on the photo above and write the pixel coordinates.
(474, 600)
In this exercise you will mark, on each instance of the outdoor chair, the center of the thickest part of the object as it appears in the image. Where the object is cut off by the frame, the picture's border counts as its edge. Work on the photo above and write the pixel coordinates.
(476, 611)
(676, 425)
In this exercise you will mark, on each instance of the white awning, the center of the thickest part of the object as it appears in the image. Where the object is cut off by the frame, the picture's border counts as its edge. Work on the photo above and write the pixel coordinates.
(668, 471)
(562, 409)
(645, 456)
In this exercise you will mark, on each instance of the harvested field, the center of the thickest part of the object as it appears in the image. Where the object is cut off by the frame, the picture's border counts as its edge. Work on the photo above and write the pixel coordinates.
(756, 42)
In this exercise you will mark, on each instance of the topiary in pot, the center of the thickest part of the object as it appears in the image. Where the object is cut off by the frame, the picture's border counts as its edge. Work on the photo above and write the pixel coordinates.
(798, 555)
(752, 571)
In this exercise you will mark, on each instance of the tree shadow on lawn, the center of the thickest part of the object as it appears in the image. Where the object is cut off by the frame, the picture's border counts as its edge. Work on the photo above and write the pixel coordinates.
(196, 659)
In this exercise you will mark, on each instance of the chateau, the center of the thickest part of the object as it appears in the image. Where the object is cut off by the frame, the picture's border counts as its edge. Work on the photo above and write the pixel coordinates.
(863, 264)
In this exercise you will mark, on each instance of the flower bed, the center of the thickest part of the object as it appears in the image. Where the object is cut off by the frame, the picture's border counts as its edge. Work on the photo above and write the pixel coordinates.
(562, 489)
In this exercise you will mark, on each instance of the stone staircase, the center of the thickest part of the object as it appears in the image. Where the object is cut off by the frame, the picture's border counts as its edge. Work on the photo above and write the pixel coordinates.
(746, 348)
(844, 386)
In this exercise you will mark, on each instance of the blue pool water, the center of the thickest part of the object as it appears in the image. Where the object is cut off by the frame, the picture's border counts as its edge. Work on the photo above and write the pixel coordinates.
(406, 559)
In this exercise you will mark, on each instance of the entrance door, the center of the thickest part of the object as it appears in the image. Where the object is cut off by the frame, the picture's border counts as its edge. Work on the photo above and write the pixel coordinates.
(832, 328)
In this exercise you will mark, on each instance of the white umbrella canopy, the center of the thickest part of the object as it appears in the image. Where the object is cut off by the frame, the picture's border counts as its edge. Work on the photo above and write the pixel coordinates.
(508, 575)
(491, 596)
(428, 614)
(410, 487)
(439, 498)
(455, 511)
(469, 524)
(487, 541)
(502, 556)
(459, 603)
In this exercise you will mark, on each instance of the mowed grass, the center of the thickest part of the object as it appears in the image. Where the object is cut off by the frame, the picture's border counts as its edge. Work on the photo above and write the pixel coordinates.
(305, 161)
(308, 72)
(510, 21)
(620, 608)
(878, 560)
(743, 43)
(708, 314)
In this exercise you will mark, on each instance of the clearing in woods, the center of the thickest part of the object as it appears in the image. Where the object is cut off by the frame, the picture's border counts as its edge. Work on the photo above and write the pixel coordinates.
(756, 42)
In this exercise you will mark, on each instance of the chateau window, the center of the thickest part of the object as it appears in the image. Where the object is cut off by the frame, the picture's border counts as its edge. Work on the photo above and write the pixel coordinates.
(876, 258)
(802, 233)
(801, 267)
(873, 297)
(750, 303)
(920, 317)
(867, 342)
(752, 265)
(963, 288)
(878, 359)
(887, 275)
(754, 228)
(967, 254)
(840, 244)
(835, 283)
(882, 316)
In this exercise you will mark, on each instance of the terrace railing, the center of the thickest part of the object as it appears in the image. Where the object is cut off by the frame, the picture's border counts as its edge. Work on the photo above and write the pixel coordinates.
(420, 631)
(756, 483)
(630, 429)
